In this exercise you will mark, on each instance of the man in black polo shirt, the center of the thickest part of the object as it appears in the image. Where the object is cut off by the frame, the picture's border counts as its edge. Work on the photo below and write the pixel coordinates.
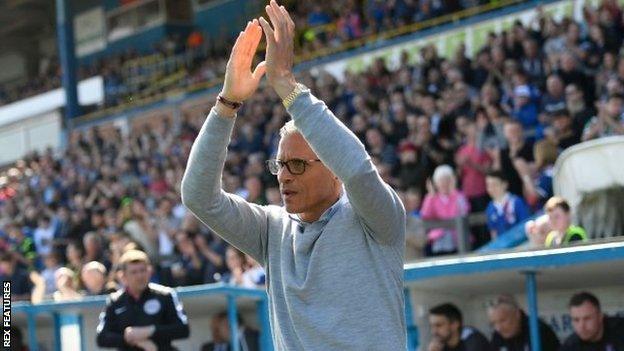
(511, 327)
(593, 331)
(142, 315)
(448, 332)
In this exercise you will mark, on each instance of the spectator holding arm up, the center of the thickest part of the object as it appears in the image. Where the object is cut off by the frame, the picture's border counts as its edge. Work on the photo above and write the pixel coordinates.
(337, 209)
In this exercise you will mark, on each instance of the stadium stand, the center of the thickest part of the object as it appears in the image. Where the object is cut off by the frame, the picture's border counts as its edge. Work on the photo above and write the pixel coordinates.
(511, 104)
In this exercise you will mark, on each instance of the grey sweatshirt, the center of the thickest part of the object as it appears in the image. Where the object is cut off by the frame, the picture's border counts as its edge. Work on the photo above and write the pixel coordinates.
(336, 283)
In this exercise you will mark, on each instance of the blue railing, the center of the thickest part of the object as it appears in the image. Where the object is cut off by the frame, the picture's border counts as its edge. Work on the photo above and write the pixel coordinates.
(63, 313)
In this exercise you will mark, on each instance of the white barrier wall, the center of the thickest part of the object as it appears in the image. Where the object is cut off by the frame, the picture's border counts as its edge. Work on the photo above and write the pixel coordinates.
(35, 133)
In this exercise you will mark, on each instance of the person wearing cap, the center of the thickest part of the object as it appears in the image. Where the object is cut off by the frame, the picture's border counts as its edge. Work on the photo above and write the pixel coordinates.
(525, 109)
(141, 315)
(337, 210)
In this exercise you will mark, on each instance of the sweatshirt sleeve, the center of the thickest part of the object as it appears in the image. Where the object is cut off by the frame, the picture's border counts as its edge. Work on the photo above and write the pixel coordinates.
(376, 204)
(239, 222)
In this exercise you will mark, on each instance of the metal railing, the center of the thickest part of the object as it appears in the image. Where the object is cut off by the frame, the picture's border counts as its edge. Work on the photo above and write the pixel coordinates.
(75, 309)
(460, 224)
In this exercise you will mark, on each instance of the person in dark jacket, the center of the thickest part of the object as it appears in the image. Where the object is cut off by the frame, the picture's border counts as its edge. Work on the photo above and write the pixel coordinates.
(511, 327)
(593, 331)
(448, 332)
(142, 315)
(248, 338)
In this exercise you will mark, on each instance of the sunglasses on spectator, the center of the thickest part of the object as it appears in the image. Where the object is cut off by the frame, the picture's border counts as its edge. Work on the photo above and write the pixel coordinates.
(295, 166)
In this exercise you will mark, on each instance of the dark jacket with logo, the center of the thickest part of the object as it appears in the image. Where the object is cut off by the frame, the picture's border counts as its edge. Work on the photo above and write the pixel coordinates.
(612, 339)
(158, 306)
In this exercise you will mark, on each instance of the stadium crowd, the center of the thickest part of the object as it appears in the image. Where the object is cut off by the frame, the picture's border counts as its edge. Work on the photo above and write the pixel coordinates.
(452, 135)
(202, 56)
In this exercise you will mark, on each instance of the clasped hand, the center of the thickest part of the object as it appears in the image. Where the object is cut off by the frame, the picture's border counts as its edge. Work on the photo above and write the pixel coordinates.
(240, 82)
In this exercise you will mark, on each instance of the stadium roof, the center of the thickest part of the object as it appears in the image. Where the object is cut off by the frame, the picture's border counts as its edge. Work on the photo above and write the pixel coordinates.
(25, 22)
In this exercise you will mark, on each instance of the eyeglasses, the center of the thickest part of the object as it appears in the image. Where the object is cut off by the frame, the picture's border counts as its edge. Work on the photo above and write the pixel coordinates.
(295, 166)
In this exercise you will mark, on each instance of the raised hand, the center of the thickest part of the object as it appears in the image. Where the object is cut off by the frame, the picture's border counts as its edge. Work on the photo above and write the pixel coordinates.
(280, 49)
(240, 83)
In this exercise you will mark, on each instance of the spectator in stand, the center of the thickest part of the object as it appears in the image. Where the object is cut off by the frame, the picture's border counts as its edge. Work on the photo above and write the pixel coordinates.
(449, 333)
(562, 131)
(525, 109)
(473, 164)
(576, 105)
(554, 98)
(190, 266)
(609, 121)
(517, 148)
(443, 201)
(237, 264)
(537, 186)
(563, 231)
(506, 209)
(254, 272)
(195, 40)
(44, 236)
(414, 169)
(21, 245)
(95, 279)
(66, 287)
(511, 327)
(74, 253)
(593, 330)
(22, 281)
(52, 264)
(318, 16)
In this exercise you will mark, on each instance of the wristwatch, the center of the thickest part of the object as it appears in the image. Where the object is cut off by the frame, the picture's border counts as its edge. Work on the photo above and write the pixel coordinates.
(299, 88)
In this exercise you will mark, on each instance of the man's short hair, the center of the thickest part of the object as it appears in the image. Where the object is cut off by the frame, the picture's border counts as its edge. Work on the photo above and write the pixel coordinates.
(133, 256)
(448, 310)
(94, 266)
(582, 297)
(288, 129)
(498, 175)
(503, 300)
(555, 202)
